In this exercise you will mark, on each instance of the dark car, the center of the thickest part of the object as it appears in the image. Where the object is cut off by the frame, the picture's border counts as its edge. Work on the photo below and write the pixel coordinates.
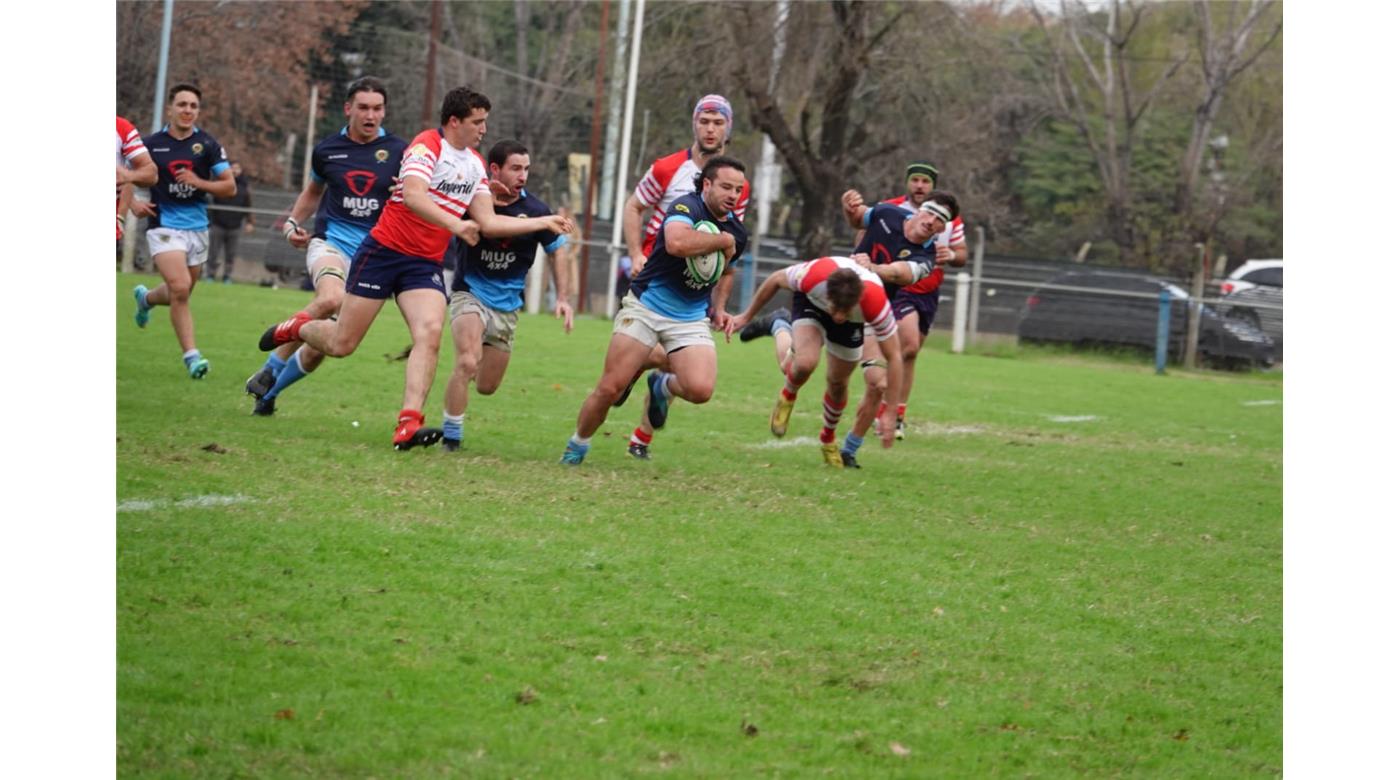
(1090, 308)
(1260, 306)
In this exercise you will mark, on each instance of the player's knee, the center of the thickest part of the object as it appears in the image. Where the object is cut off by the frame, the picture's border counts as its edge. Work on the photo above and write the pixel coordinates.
(428, 334)
(179, 291)
(802, 369)
(488, 387)
(466, 367)
(699, 393)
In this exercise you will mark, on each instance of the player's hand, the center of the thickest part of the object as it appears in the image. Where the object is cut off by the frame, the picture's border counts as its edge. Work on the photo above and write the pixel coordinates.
(143, 208)
(559, 224)
(498, 189)
(469, 231)
(863, 260)
(943, 255)
(736, 323)
(729, 246)
(887, 423)
(638, 261)
(720, 321)
(851, 200)
(187, 176)
(248, 227)
(563, 309)
(299, 238)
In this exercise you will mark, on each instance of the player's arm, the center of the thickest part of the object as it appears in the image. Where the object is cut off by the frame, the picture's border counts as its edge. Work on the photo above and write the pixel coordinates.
(417, 199)
(633, 214)
(221, 186)
(142, 173)
(494, 225)
(902, 272)
(293, 229)
(559, 260)
(894, 377)
(683, 240)
(719, 296)
(778, 280)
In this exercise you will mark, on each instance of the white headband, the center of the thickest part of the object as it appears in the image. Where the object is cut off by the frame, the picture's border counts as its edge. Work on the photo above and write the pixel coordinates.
(938, 210)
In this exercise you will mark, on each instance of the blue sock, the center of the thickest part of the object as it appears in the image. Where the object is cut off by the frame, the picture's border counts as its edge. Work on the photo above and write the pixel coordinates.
(664, 379)
(274, 364)
(452, 426)
(289, 374)
(852, 443)
(780, 325)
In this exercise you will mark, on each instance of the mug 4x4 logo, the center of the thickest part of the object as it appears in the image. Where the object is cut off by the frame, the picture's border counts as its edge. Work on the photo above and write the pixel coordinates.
(360, 182)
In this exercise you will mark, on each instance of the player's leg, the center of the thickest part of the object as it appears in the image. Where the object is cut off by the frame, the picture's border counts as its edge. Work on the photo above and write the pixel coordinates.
(424, 310)
(467, 331)
(627, 352)
(327, 267)
(838, 380)
(910, 340)
(339, 337)
(175, 292)
(872, 363)
(808, 337)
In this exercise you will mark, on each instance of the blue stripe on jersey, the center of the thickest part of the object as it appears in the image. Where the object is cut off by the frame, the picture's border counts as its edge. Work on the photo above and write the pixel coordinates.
(500, 293)
(678, 218)
(664, 301)
(184, 216)
(345, 236)
(557, 244)
(219, 168)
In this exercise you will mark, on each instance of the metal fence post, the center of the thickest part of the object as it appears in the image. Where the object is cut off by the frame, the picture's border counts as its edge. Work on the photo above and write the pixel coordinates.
(960, 312)
(1164, 320)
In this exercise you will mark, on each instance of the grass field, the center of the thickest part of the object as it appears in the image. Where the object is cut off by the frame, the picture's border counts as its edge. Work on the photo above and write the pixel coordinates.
(1070, 567)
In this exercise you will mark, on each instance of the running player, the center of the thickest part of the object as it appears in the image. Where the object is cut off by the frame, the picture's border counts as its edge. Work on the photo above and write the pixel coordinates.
(834, 300)
(669, 178)
(950, 248)
(879, 251)
(352, 176)
(135, 168)
(487, 287)
(191, 164)
(444, 181)
(667, 304)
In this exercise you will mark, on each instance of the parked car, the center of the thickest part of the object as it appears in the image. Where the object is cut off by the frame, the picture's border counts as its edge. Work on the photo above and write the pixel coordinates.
(1260, 306)
(1115, 308)
(1253, 274)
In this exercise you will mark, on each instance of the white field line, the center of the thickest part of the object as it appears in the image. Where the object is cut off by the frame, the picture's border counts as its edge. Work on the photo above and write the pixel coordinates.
(193, 502)
(1074, 418)
(782, 444)
(1262, 403)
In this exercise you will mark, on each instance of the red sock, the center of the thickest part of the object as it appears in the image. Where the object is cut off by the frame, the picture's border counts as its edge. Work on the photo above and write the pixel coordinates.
(900, 410)
(641, 437)
(881, 411)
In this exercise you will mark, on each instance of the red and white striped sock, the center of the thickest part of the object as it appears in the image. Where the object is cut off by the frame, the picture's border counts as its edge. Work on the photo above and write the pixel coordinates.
(789, 387)
(641, 437)
(831, 417)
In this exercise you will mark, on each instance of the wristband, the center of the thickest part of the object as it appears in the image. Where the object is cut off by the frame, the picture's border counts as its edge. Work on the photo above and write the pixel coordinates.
(292, 227)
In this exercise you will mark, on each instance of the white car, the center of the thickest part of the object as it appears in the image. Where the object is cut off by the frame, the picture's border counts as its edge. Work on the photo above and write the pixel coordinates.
(1253, 274)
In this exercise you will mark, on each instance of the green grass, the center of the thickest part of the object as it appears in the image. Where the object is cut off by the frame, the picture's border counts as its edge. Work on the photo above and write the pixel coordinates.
(1001, 594)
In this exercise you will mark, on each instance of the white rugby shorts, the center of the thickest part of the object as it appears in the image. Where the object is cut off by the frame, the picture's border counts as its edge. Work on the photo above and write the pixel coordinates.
(194, 243)
(648, 327)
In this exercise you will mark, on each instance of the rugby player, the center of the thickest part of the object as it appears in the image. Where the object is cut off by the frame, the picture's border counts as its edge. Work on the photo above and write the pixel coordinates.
(834, 301)
(487, 286)
(352, 176)
(667, 305)
(444, 183)
(135, 168)
(191, 164)
(669, 178)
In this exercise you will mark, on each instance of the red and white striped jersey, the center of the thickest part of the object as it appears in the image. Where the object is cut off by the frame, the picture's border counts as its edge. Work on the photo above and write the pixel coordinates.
(129, 145)
(667, 179)
(810, 278)
(951, 236)
(454, 177)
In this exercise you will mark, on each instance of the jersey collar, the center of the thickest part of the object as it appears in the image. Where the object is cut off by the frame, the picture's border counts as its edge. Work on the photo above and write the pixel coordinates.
(345, 131)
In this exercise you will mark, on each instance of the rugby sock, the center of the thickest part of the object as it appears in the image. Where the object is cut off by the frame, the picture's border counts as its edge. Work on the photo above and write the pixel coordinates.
(881, 411)
(191, 357)
(452, 426)
(780, 325)
(274, 364)
(831, 416)
(899, 411)
(852, 443)
(789, 387)
(289, 374)
(666, 384)
(580, 442)
(641, 437)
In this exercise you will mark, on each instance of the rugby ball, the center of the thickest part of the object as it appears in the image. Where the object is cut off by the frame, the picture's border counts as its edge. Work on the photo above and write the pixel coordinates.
(705, 269)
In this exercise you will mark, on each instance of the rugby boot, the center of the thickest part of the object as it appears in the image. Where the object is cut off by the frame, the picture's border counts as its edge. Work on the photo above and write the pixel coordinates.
(848, 460)
(259, 384)
(782, 412)
(763, 326)
(831, 453)
(899, 429)
(639, 451)
(657, 405)
(573, 453)
(411, 432)
(264, 407)
(143, 312)
(198, 367)
(283, 332)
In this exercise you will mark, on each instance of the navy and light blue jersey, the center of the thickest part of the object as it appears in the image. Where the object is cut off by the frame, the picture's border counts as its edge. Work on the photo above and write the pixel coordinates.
(884, 240)
(494, 270)
(357, 178)
(663, 285)
(181, 206)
